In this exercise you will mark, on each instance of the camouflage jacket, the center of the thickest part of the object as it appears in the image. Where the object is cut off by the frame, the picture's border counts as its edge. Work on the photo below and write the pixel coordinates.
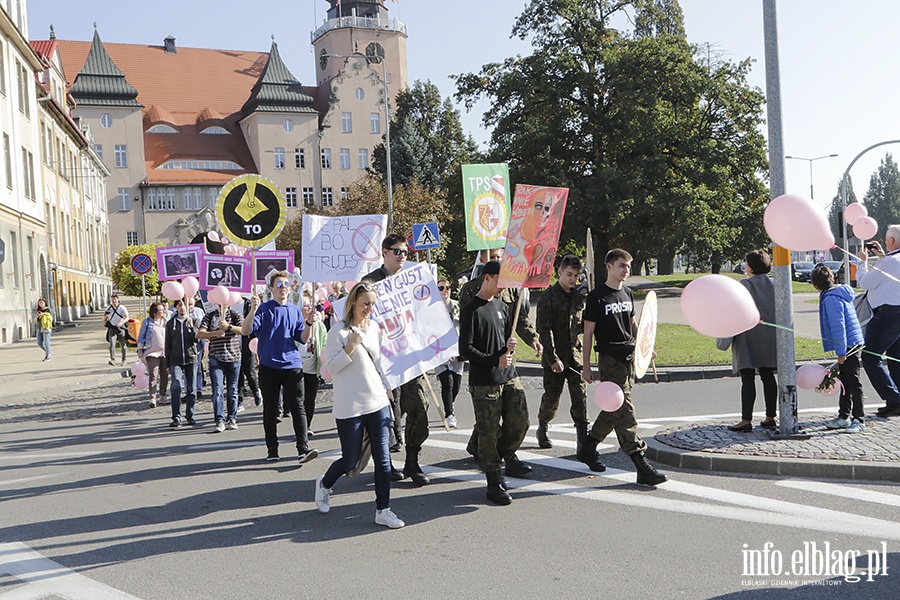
(560, 326)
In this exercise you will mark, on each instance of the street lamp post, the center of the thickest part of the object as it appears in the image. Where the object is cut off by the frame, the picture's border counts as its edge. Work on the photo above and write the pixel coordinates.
(844, 192)
(811, 161)
(387, 126)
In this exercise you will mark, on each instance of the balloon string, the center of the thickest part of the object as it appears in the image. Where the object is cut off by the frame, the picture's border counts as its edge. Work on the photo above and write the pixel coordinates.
(824, 339)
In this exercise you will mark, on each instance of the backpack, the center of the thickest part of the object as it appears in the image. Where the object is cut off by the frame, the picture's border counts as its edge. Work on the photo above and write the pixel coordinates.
(864, 310)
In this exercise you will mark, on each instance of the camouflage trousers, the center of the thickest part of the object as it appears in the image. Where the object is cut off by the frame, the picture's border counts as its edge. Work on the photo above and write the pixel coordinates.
(501, 421)
(622, 421)
(553, 389)
(414, 404)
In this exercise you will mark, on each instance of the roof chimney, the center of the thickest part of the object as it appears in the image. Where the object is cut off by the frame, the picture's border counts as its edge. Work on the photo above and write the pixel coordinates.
(169, 45)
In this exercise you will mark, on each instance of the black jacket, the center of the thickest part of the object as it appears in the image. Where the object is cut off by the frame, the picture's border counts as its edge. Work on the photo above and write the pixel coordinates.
(181, 341)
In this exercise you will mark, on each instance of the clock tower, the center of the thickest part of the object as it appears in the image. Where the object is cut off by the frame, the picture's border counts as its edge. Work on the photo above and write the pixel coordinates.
(361, 27)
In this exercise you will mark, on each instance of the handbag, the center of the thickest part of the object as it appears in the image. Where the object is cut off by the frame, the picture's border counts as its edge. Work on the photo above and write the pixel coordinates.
(864, 312)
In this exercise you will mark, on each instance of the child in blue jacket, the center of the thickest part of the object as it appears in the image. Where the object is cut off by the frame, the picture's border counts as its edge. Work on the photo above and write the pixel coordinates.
(841, 332)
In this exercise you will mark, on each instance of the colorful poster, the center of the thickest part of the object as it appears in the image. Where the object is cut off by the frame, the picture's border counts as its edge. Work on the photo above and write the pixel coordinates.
(486, 199)
(418, 334)
(267, 261)
(341, 248)
(232, 272)
(178, 262)
(534, 228)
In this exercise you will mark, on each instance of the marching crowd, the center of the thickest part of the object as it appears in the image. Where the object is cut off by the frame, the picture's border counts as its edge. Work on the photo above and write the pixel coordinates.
(295, 345)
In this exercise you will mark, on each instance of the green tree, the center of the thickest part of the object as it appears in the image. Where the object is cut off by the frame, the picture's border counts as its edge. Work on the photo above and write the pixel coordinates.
(662, 152)
(130, 284)
(883, 196)
(427, 139)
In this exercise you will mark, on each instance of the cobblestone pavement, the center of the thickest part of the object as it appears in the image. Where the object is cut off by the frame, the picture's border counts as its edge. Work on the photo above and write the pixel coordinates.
(880, 442)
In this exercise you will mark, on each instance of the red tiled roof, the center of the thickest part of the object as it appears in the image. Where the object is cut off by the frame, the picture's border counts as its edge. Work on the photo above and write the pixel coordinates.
(181, 84)
(186, 90)
(44, 47)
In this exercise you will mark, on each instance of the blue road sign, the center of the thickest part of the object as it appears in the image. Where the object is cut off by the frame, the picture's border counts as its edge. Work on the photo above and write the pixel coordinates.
(425, 236)
(141, 264)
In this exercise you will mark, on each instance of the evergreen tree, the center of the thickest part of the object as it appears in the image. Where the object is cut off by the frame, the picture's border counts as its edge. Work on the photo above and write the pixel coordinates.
(883, 196)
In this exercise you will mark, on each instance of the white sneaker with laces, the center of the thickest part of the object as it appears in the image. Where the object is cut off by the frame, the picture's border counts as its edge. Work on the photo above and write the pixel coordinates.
(451, 421)
(230, 424)
(387, 518)
(323, 496)
(838, 423)
(856, 426)
(220, 426)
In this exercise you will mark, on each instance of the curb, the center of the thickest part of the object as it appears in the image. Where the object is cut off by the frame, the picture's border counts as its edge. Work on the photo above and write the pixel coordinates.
(666, 374)
(784, 467)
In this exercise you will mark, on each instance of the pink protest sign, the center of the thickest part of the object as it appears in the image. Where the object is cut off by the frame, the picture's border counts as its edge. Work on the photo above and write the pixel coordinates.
(533, 236)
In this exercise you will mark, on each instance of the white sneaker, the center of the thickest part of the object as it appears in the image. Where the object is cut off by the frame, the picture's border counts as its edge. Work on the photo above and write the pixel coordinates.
(856, 426)
(838, 423)
(220, 426)
(230, 424)
(451, 421)
(323, 497)
(388, 519)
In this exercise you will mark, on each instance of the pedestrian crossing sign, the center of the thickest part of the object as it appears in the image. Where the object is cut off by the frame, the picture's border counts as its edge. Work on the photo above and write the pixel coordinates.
(425, 236)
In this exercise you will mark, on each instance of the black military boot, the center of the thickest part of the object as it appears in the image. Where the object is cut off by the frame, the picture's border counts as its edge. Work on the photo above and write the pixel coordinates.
(646, 474)
(472, 446)
(588, 455)
(542, 437)
(515, 467)
(396, 475)
(496, 492)
(580, 435)
(412, 469)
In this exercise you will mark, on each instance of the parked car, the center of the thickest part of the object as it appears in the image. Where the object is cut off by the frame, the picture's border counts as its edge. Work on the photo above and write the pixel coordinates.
(837, 267)
(801, 270)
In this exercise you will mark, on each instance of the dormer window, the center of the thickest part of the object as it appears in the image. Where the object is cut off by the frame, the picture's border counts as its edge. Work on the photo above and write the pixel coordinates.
(216, 130)
(162, 128)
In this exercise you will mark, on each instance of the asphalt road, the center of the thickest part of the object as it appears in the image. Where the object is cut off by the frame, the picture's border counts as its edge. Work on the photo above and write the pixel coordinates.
(99, 499)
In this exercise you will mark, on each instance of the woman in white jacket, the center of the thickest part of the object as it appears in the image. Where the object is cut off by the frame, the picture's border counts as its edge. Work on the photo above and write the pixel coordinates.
(361, 400)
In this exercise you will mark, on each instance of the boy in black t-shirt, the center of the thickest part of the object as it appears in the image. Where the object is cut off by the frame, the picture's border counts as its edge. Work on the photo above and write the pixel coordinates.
(609, 319)
(501, 413)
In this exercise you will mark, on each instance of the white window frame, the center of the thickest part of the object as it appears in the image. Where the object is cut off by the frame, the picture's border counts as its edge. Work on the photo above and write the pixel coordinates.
(363, 158)
(279, 158)
(347, 122)
(344, 155)
(124, 197)
(326, 158)
(121, 156)
(327, 196)
(299, 158)
(309, 196)
(375, 122)
(290, 197)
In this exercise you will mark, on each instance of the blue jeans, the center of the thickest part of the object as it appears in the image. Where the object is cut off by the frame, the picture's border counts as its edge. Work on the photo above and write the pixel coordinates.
(350, 432)
(188, 374)
(43, 340)
(224, 379)
(883, 336)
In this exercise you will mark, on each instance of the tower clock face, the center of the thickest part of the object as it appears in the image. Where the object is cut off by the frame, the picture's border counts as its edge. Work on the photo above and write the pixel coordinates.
(374, 52)
(323, 59)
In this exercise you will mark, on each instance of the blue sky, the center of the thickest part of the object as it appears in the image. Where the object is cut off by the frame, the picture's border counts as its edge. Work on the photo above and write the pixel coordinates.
(838, 60)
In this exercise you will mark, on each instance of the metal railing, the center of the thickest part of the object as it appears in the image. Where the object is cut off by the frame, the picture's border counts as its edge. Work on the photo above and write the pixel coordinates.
(359, 23)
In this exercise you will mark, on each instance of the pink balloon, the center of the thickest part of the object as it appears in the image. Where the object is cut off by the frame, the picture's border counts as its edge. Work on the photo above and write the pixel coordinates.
(138, 369)
(212, 235)
(865, 228)
(810, 376)
(173, 290)
(141, 382)
(321, 294)
(234, 298)
(796, 223)
(254, 345)
(190, 285)
(219, 295)
(608, 396)
(324, 372)
(718, 306)
(307, 287)
(854, 212)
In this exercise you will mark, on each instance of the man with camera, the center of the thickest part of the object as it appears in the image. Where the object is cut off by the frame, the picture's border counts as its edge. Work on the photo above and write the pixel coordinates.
(115, 317)
(882, 335)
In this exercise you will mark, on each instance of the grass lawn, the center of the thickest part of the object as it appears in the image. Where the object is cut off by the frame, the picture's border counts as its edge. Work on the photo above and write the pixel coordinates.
(678, 345)
(680, 280)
